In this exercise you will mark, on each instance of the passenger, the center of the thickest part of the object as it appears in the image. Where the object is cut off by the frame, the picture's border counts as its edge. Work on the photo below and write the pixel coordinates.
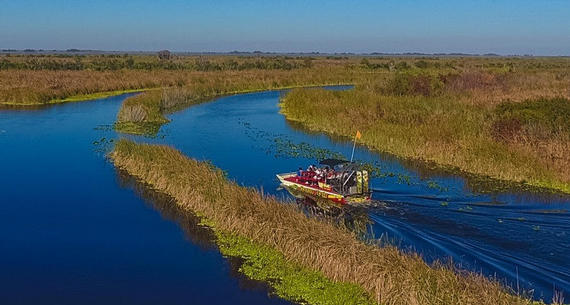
(300, 172)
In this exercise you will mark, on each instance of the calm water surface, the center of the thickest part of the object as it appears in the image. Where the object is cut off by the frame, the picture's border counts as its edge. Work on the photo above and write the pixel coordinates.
(76, 232)
(73, 232)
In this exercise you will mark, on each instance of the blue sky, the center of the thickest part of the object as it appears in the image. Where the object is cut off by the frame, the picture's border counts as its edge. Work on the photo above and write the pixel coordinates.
(540, 27)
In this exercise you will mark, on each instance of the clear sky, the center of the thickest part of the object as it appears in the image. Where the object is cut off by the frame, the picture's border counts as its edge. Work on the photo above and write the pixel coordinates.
(540, 27)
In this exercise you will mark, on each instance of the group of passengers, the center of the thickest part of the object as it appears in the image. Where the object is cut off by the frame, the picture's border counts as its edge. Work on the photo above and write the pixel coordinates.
(316, 174)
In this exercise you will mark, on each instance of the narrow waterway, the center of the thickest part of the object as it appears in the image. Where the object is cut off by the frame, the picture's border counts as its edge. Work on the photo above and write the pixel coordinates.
(73, 230)
(521, 238)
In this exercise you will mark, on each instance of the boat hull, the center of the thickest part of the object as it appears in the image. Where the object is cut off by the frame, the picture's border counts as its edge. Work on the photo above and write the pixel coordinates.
(296, 188)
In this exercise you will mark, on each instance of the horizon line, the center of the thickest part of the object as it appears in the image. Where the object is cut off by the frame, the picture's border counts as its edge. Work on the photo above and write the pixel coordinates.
(258, 52)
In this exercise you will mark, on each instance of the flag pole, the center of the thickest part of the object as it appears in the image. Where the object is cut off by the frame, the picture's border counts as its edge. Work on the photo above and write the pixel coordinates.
(356, 137)
(353, 146)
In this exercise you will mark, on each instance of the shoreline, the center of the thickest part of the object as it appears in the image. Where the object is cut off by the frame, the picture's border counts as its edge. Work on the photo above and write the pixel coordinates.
(387, 274)
(484, 178)
(78, 98)
(151, 128)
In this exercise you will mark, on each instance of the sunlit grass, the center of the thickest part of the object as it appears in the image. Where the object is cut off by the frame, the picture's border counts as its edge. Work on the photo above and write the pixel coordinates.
(385, 273)
(444, 126)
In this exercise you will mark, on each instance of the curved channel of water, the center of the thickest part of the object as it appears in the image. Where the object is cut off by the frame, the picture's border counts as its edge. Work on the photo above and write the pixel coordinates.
(71, 229)
(520, 237)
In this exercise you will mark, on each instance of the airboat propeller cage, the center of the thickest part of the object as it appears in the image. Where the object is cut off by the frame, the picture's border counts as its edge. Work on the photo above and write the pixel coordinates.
(353, 179)
(332, 162)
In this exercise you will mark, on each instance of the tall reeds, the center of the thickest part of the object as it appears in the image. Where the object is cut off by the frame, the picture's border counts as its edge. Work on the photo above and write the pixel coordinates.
(149, 108)
(423, 117)
(26, 86)
(390, 276)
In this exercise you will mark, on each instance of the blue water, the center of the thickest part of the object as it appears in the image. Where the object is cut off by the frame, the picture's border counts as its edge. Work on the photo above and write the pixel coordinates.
(71, 228)
(72, 233)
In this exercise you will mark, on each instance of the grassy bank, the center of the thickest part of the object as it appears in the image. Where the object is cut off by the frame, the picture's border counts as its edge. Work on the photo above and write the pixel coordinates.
(28, 88)
(452, 122)
(270, 234)
(145, 113)
(38, 80)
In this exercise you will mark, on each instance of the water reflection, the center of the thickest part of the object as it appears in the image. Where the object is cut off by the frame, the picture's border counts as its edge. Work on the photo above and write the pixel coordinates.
(189, 222)
(351, 217)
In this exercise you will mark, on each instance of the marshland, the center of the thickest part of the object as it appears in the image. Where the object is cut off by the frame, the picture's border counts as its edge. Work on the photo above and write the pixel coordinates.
(433, 127)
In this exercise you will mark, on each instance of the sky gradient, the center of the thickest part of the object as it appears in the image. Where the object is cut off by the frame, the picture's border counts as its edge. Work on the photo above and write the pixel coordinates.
(539, 27)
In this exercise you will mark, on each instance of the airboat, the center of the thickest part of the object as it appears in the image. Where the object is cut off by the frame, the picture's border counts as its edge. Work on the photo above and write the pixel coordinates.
(339, 181)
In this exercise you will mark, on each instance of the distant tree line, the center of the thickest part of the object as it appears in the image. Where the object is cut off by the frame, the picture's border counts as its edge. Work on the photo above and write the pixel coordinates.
(117, 62)
(404, 65)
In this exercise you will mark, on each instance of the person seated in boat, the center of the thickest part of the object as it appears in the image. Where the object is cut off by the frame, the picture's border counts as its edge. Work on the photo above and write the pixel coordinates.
(318, 172)
(330, 174)
(323, 173)
(300, 174)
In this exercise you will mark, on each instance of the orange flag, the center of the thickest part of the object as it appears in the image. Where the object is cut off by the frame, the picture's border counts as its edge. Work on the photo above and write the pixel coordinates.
(358, 135)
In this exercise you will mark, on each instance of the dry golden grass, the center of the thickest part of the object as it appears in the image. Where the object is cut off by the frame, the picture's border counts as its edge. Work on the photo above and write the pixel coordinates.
(44, 86)
(39, 87)
(458, 120)
(144, 114)
(522, 86)
(391, 276)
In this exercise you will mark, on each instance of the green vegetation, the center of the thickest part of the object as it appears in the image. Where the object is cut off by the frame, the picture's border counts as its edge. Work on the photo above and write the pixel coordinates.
(92, 96)
(290, 280)
(114, 62)
(540, 118)
(76, 98)
(141, 114)
(273, 237)
(451, 120)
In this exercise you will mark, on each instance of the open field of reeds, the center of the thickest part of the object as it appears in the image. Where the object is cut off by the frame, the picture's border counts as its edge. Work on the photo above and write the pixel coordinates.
(30, 80)
(503, 117)
(509, 123)
(386, 274)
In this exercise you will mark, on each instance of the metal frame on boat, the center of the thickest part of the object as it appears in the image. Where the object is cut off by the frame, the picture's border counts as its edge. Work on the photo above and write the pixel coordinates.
(337, 180)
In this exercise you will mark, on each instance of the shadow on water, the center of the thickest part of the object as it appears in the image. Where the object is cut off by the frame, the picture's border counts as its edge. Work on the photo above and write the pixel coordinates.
(190, 223)
(352, 218)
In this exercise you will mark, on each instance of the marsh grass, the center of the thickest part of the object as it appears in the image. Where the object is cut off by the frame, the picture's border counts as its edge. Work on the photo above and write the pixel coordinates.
(387, 274)
(259, 263)
(36, 87)
(145, 113)
(39, 79)
(448, 129)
